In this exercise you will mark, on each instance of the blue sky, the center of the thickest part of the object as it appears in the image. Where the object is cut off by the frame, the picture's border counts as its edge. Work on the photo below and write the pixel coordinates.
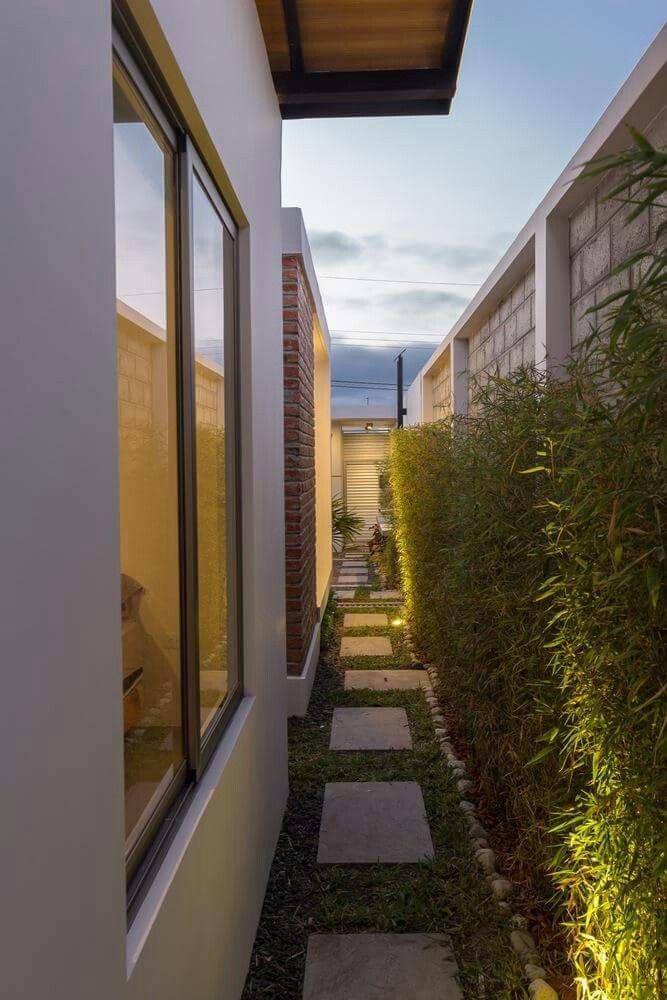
(438, 199)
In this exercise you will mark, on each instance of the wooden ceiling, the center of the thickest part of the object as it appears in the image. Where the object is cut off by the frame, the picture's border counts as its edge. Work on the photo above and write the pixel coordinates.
(345, 58)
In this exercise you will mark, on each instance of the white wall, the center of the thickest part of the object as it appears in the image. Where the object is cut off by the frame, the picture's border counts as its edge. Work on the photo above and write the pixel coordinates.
(61, 847)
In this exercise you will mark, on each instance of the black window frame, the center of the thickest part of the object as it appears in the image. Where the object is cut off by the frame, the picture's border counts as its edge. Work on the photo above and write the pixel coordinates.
(153, 841)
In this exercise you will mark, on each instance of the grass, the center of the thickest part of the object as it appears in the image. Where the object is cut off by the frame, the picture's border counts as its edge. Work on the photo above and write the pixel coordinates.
(448, 895)
(402, 658)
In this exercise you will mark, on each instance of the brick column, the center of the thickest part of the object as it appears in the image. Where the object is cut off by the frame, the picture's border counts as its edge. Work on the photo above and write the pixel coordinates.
(300, 550)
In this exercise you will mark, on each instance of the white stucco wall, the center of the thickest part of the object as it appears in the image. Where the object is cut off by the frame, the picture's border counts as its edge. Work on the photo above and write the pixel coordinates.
(62, 840)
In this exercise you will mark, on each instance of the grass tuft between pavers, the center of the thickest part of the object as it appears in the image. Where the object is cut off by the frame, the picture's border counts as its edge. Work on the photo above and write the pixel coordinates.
(449, 895)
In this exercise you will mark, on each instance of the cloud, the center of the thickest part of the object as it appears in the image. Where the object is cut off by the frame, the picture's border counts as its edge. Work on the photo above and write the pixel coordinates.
(424, 301)
(500, 241)
(331, 246)
(457, 256)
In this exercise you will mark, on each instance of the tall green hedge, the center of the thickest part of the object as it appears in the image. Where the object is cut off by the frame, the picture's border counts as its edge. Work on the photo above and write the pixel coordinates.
(532, 545)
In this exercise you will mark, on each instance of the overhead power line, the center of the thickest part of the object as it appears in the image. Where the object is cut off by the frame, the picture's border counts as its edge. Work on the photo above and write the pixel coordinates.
(365, 388)
(366, 381)
(362, 385)
(400, 281)
(414, 345)
(389, 333)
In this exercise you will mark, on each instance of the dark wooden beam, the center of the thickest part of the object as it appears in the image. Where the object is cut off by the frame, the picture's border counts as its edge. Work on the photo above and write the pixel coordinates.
(434, 83)
(455, 34)
(293, 35)
(364, 108)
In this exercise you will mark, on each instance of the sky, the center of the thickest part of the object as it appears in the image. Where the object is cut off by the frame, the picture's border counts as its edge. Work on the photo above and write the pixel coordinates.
(435, 201)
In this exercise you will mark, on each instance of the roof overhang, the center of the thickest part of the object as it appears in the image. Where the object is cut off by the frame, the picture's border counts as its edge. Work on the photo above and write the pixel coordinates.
(354, 58)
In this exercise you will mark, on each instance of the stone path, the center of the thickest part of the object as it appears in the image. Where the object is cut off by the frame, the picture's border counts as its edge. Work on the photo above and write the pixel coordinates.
(376, 841)
(364, 620)
(366, 645)
(380, 967)
(384, 680)
(375, 822)
(370, 822)
(370, 729)
(350, 572)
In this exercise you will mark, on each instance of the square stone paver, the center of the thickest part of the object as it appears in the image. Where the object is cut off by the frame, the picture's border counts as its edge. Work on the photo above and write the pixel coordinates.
(354, 564)
(371, 822)
(386, 595)
(345, 595)
(356, 581)
(365, 645)
(385, 680)
(370, 729)
(362, 620)
(380, 967)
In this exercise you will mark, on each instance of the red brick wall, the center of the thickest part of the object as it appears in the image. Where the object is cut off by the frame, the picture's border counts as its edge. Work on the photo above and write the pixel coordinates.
(298, 373)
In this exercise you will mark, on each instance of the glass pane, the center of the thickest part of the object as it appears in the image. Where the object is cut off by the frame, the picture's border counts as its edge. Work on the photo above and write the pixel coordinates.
(144, 169)
(212, 508)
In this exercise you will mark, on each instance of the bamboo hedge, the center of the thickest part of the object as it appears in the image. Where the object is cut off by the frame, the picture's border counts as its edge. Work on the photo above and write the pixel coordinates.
(532, 548)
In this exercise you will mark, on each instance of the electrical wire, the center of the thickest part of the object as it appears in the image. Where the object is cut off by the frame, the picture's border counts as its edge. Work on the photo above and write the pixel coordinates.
(400, 281)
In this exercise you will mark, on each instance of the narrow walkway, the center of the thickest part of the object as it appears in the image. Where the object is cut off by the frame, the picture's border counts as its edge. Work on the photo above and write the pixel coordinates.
(374, 892)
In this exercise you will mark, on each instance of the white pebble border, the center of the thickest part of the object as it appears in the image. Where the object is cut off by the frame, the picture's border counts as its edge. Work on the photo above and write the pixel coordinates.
(521, 941)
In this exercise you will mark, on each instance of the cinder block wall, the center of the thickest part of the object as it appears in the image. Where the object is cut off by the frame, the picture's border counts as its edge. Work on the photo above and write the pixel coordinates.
(441, 392)
(600, 240)
(300, 537)
(507, 340)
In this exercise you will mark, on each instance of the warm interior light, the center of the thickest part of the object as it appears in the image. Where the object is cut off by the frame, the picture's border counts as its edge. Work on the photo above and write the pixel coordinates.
(397, 622)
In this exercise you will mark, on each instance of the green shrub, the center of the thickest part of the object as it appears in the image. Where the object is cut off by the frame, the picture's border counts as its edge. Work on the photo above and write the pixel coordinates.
(532, 545)
(382, 546)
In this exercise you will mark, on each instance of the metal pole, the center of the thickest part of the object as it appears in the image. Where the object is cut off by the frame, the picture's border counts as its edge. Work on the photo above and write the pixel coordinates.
(399, 389)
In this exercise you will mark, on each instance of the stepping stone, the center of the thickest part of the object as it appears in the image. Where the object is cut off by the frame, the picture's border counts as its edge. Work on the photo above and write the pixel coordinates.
(352, 580)
(371, 822)
(370, 729)
(385, 680)
(365, 645)
(345, 595)
(386, 595)
(361, 621)
(380, 967)
(355, 562)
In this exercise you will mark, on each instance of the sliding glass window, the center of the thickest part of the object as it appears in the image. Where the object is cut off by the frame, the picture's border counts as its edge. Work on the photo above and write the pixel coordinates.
(178, 432)
(214, 347)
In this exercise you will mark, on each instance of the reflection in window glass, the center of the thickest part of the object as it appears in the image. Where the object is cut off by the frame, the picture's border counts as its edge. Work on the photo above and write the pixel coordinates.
(144, 170)
(209, 333)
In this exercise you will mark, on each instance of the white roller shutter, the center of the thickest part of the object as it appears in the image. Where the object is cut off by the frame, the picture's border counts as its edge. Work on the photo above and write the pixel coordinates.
(362, 455)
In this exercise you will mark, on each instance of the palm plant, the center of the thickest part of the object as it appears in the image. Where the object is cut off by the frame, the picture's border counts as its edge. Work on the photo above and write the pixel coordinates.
(345, 525)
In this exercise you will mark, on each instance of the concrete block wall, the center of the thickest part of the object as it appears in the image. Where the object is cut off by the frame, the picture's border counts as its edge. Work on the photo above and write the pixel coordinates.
(506, 341)
(441, 392)
(299, 417)
(532, 310)
(209, 395)
(600, 239)
(135, 379)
